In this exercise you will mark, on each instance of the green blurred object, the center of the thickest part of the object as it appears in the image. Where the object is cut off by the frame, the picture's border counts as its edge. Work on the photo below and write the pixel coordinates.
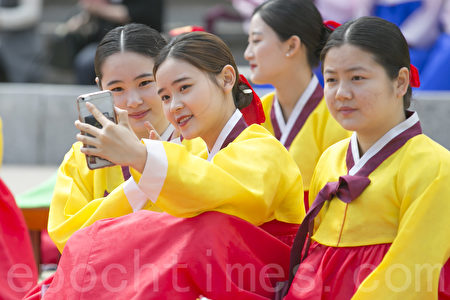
(40, 196)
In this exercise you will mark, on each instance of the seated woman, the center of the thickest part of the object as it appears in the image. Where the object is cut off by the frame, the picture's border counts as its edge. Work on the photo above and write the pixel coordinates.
(285, 39)
(124, 64)
(381, 196)
(18, 272)
(245, 178)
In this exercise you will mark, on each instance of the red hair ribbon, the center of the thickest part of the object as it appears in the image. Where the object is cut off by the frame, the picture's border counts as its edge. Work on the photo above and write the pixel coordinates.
(414, 80)
(253, 113)
(332, 25)
(185, 29)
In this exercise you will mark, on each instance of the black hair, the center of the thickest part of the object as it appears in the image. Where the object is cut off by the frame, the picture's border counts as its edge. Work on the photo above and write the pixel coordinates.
(208, 53)
(138, 38)
(296, 17)
(381, 38)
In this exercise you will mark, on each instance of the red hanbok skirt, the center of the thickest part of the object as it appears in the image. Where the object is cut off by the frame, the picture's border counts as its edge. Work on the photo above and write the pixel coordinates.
(148, 255)
(335, 273)
(18, 272)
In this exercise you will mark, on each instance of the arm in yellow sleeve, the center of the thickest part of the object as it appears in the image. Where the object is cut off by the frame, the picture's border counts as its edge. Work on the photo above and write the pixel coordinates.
(411, 267)
(253, 178)
(74, 204)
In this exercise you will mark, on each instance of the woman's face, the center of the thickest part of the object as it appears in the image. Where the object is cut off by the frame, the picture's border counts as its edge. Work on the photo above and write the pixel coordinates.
(359, 93)
(265, 52)
(129, 76)
(192, 102)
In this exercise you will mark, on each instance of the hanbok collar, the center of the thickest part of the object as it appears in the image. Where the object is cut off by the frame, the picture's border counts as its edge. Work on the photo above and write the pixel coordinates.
(168, 133)
(308, 101)
(384, 147)
(235, 125)
(350, 186)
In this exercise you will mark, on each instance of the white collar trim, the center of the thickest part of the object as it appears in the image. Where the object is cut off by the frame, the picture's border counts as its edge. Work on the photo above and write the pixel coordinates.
(375, 148)
(167, 133)
(286, 128)
(237, 115)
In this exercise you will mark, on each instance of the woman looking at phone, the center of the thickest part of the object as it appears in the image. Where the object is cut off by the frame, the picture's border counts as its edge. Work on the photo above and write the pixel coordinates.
(201, 92)
(284, 42)
(124, 65)
(213, 199)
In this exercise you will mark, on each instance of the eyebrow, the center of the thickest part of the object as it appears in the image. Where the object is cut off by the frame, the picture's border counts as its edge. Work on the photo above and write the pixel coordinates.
(173, 83)
(256, 33)
(137, 77)
(347, 70)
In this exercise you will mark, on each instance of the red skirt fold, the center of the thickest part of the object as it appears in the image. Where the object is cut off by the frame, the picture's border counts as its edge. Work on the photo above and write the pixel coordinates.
(18, 272)
(334, 273)
(331, 273)
(148, 255)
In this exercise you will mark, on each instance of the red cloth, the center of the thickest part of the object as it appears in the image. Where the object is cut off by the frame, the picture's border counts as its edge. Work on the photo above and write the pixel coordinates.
(18, 272)
(148, 255)
(49, 252)
(254, 112)
(330, 272)
(285, 232)
(306, 200)
(444, 282)
(36, 292)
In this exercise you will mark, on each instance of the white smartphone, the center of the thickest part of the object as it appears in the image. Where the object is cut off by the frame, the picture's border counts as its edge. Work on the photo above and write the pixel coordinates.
(104, 102)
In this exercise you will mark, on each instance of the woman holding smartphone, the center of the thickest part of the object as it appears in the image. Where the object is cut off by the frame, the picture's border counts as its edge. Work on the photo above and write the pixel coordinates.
(213, 199)
(124, 65)
(284, 42)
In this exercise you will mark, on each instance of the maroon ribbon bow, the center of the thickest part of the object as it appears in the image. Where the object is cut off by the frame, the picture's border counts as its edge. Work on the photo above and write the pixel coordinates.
(254, 112)
(347, 189)
(414, 80)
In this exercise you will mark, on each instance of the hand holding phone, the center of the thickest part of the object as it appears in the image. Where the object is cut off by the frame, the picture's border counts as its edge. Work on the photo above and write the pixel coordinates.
(114, 142)
(104, 102)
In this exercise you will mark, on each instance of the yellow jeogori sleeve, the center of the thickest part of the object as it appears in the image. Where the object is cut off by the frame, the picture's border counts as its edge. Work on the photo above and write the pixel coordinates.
(78, 199)
(253, 178)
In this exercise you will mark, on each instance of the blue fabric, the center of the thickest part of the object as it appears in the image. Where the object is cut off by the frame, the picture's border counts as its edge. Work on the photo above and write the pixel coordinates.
(436, 73)
(419, 57)
(318, 72)
(397, 14)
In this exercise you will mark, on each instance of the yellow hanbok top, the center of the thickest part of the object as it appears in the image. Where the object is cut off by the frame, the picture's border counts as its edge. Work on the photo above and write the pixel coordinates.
(248, 174)
(406, 204)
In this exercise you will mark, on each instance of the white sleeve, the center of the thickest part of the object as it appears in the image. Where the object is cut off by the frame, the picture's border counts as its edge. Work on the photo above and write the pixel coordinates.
(152, 179)
(155, 170)
(135, 196)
